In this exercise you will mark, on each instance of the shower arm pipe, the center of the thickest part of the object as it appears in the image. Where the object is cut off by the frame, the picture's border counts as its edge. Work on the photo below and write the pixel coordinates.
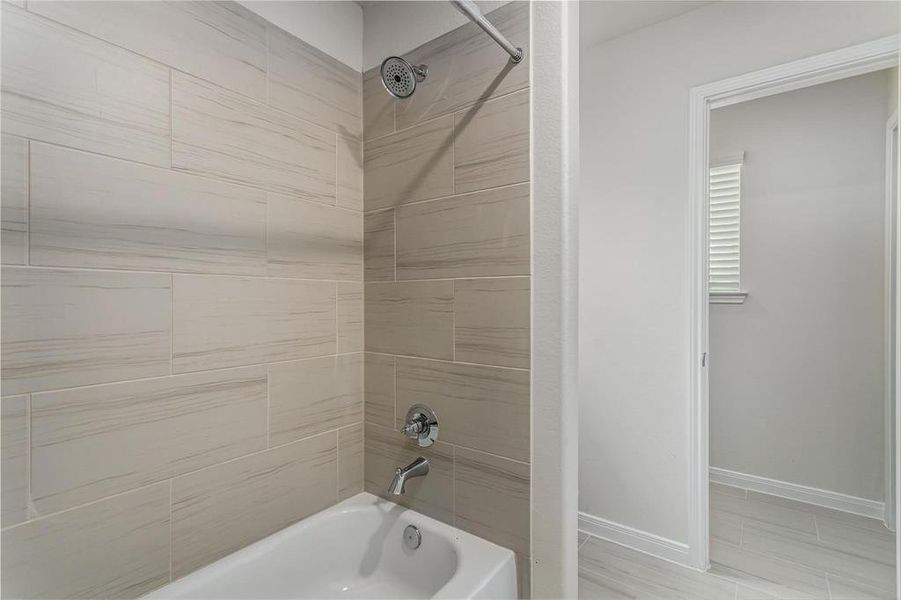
(471, 10)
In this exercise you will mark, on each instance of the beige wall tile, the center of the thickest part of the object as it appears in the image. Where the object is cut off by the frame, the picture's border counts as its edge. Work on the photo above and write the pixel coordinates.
(485, 408)
(491, 498)
(465, 66)
(410, 317)
(223, 508)
(232, 321)
(69, 328)
(219, 41)
(13, 200)
(491, 146)
(13, 460)
(314, 241)
(378, 246)
(218, 133)
(379, 389)
(350, 317)
(115, 548)
(79, 91)
(350, 173)
(312, 396)
(378, 106)
(88, 443)
(479, 234)
(491, 321)
(350, 461)
(410, 165)
(524, 576)
(309, 83)
(93, 211)
(432, 495)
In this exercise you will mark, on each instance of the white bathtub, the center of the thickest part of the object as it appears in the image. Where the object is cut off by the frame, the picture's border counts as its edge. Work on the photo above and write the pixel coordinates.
(355, 549)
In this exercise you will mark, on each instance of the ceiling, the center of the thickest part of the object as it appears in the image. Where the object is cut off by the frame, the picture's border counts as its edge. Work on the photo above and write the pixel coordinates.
(600, 21)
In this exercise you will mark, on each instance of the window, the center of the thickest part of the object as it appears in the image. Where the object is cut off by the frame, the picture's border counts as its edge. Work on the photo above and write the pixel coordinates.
(725, 231)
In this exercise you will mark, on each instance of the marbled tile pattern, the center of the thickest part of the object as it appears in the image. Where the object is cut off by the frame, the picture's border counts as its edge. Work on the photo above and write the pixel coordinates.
(350, 461)
(229, 321)
(182, 289)
(97, 212)
(491, 324)
(413, 164)
(308, 240)
(13, 460)
(115, 548)
(221, 134)
(475, 402)
(312, 396)
(492, 139)
(13, 200)
(350, 316)
(311, 84)
(474, 235)
(844, 557)
(87, 443)
(446, 253)
(66, 328)
(414, 318)
(378, 245)
(219, 41)
(218, 510)
(81, 92)
(468, 66)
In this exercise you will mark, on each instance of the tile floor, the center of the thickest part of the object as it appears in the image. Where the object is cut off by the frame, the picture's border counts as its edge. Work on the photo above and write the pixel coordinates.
(761, 547)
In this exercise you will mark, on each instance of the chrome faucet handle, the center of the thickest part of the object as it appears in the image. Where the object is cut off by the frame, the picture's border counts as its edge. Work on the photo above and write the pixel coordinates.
(421, 425)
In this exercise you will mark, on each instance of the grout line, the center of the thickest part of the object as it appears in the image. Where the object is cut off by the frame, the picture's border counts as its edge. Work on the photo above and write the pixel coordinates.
(394, 217)
(477, 277)
(524, 183)
(176, 170)
(454, 486)
(268, 408)
(444, 360)
(741, 534)
(454, 320)
(171, 324)
(171, 120)
(828, 586)
(816, 526)
(184, 273)
(457, 446)
(453, 112)
(29, 505)
(170, 530)
(171, 479)
(585, 541)
(337, 464)
(27, 175)
(189, 373)
(337, 336)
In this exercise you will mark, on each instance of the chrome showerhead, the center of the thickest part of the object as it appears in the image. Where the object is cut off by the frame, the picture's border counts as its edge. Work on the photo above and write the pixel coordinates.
(400, 77)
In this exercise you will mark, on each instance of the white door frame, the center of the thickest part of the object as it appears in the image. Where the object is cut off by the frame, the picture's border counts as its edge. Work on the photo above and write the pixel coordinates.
(831, 66)
(891, 285)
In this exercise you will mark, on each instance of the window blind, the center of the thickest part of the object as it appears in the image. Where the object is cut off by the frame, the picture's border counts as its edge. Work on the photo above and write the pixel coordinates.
(725, 228)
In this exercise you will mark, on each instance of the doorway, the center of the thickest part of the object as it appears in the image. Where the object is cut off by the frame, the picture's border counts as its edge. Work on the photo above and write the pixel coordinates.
(859, 60)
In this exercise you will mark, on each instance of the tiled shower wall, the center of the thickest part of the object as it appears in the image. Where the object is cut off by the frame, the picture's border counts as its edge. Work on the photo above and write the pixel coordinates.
(447, 271)
(182, 364)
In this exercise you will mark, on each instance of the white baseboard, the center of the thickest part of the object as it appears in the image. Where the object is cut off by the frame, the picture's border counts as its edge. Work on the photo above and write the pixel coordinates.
(801, 493)
(642, 541)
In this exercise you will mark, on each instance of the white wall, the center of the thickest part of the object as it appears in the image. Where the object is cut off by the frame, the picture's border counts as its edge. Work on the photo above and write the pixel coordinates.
(797, 371)
(634, 311)
(393, 28)
(334, 27)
